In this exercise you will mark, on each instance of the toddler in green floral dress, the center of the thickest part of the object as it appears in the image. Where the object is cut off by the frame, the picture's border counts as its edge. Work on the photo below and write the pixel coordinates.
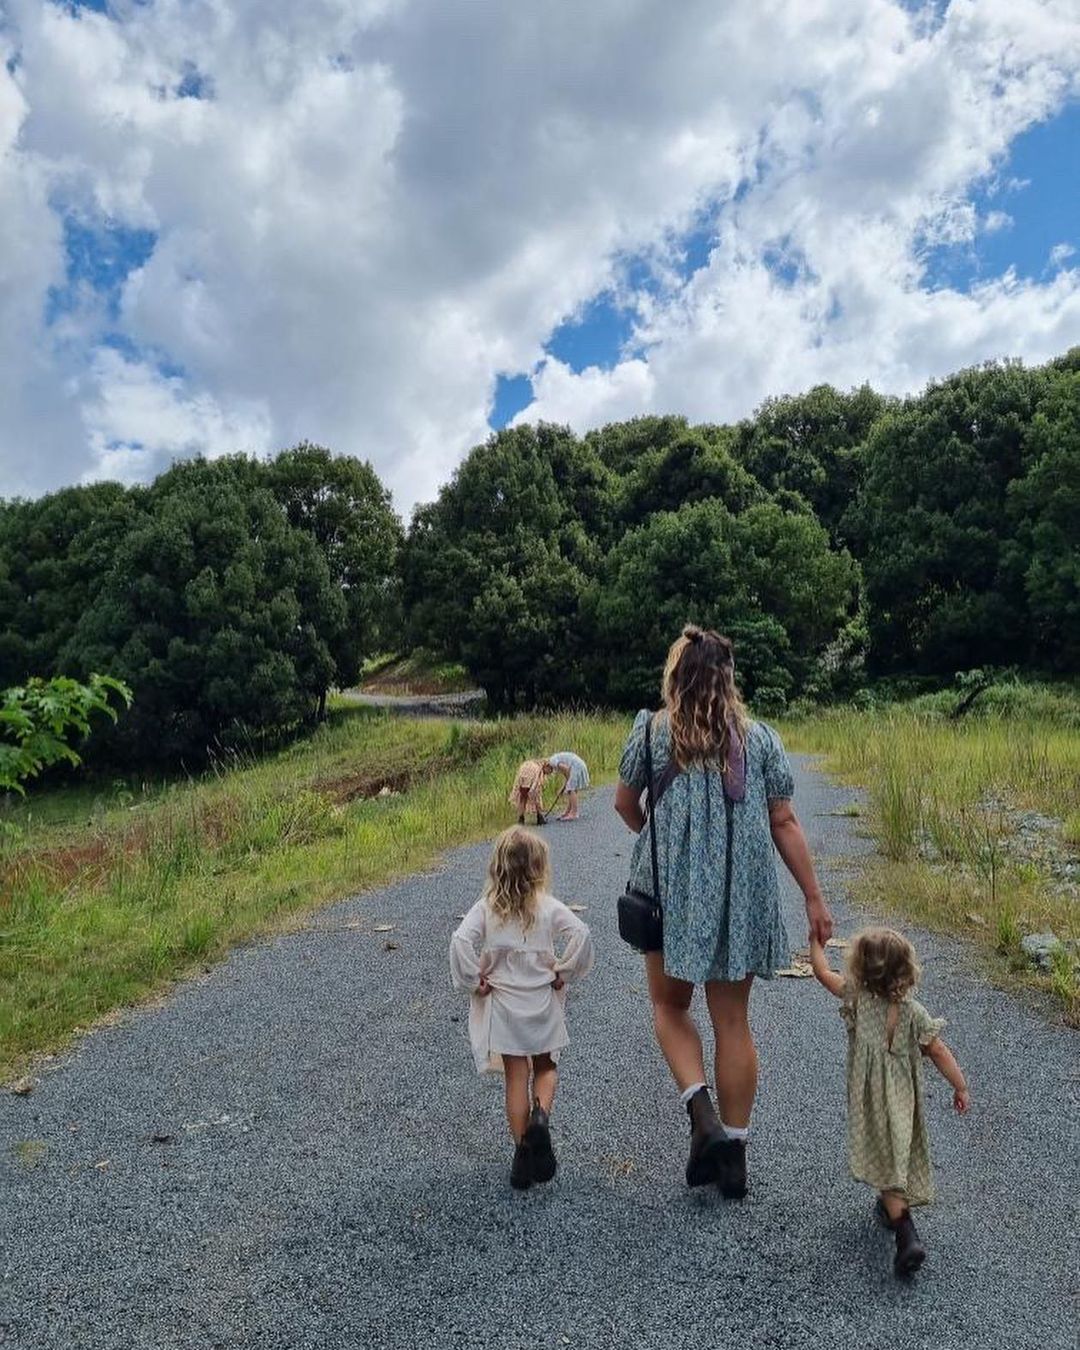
(888, 1034)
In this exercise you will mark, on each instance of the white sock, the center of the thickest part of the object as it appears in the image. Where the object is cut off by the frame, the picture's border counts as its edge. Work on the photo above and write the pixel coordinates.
(736, 1131)
(684, 1097)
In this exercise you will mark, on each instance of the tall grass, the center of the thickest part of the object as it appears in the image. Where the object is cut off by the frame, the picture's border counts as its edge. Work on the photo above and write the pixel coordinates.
(946, 802)
(101, 910)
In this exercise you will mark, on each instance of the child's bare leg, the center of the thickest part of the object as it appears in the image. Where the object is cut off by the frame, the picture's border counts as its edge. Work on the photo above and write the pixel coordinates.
(571, 806)
(545, 1080)
(516, 1069)
(894, 1204)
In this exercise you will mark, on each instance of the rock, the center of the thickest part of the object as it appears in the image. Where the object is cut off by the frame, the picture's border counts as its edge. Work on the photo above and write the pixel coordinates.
(1040, 948)
(22, 1087)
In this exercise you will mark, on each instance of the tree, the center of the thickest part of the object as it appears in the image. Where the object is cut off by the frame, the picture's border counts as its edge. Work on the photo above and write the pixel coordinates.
(766, 577)
(1044, 511)
(54, 555)
(39, 720)
(217, 612)
(341, 504)
(689, 468)
(811, 444)
(493, 570)
(930, 522)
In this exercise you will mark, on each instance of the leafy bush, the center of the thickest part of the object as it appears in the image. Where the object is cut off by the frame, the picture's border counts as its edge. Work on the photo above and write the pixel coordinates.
(39, 720)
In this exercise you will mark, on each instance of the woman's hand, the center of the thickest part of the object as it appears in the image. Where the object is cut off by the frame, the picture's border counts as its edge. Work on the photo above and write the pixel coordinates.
(819, 919)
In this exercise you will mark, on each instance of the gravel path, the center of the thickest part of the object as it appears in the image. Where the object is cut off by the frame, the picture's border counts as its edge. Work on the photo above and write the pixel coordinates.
(332, 1173)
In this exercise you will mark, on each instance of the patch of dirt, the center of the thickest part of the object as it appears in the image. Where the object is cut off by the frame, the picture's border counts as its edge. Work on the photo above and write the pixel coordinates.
(360, 786)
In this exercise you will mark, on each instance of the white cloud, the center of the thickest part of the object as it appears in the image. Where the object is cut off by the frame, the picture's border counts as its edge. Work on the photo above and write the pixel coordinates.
(1060, 254)
(386, 204)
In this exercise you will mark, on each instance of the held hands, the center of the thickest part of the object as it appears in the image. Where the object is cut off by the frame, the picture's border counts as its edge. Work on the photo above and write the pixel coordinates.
(819, 919)
(558, 982)
(483, 988)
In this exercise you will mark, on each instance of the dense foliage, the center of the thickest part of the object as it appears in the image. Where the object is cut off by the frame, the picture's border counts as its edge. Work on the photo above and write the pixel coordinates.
(834, 535)
(40, 719)
(838, 537)
(230, 594)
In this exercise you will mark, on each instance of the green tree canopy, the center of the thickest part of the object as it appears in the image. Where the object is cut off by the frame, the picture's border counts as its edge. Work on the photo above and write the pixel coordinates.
(54, 555)
(216, 611)
(340, 502)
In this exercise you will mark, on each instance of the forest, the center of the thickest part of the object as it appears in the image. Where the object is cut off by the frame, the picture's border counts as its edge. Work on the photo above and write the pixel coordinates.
(842, 539)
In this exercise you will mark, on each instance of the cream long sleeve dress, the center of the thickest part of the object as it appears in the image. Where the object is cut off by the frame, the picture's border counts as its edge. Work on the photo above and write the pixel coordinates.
(523, 1014)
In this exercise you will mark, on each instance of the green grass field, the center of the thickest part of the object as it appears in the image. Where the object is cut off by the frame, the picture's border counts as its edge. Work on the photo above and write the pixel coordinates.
(108, 894)
(976, 820)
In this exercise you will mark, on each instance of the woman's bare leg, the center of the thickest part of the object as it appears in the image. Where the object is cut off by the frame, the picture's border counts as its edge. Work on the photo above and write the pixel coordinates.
(736, 1054)
(675, 1030)
(516, 1068)
(545, 1080)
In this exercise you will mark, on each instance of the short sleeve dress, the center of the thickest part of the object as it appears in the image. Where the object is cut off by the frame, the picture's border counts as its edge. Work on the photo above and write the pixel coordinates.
(704, 937)
(888, 1146)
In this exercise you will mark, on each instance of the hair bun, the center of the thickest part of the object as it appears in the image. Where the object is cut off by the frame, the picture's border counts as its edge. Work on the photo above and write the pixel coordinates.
(692, 633)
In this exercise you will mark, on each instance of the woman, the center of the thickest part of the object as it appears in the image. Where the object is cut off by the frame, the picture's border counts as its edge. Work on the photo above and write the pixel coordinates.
(575, 775)
(720, 928)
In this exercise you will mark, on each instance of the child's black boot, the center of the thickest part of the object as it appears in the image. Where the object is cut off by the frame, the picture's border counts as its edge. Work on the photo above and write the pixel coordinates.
(706, 1140)
(538, 1138)
(521, 1169)
(910, 1253)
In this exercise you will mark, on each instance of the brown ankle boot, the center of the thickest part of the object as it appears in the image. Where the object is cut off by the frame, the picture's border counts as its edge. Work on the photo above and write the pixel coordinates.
(706, 1140)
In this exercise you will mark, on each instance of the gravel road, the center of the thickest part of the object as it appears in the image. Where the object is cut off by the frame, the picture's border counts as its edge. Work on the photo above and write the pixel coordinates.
(329, 1172)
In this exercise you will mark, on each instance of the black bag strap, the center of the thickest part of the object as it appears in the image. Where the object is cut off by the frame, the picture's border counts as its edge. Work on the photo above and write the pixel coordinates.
(650, 807)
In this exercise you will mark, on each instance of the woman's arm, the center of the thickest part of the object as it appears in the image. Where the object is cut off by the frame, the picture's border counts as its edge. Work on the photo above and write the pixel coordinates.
(791, 844)
(832, 981)
(943, 1059)
(628, 806)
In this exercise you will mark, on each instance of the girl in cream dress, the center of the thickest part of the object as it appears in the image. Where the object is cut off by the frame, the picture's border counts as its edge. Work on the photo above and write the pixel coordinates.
(514, 953)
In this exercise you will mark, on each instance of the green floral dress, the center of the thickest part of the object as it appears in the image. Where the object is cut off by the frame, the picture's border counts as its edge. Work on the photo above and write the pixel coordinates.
(888, 1146)
(704, 938)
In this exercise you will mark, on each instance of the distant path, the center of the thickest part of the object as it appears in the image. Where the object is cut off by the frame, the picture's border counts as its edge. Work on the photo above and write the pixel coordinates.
(462, 704)
(335, 1174)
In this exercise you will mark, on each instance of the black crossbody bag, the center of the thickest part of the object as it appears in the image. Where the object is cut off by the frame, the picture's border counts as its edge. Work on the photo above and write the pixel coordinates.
(641, 916)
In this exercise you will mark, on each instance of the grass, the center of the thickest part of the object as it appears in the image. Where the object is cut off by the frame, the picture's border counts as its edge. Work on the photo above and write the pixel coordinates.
(108, 893)
(975, 819)
(419, 673)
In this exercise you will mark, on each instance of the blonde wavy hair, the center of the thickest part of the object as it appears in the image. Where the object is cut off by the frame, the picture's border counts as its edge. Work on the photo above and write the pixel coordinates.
(703, 703)
(883, 961)
(519, 871)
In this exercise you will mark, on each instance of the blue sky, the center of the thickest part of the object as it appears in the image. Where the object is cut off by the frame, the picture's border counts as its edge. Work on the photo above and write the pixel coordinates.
(304, 221)
(1037, 187)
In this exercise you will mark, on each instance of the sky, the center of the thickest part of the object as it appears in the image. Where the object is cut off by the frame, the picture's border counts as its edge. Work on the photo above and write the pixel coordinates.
(389, 226)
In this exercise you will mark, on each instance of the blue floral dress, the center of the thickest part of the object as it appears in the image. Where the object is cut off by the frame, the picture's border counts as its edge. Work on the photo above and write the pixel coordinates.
(704, 939)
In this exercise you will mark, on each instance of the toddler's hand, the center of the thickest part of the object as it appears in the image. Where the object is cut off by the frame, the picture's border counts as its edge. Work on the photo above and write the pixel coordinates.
(483, 988)
(961, 1101)
(558, 982)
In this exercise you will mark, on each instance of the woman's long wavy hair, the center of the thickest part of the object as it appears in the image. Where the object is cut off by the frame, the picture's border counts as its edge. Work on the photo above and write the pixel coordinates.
(518, 873)
(883, 961)
(701, 697)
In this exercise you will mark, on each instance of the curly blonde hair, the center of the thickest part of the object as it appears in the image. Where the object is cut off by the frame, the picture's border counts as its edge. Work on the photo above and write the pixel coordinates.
(701, 697)
(519, 871)
(883, 961)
